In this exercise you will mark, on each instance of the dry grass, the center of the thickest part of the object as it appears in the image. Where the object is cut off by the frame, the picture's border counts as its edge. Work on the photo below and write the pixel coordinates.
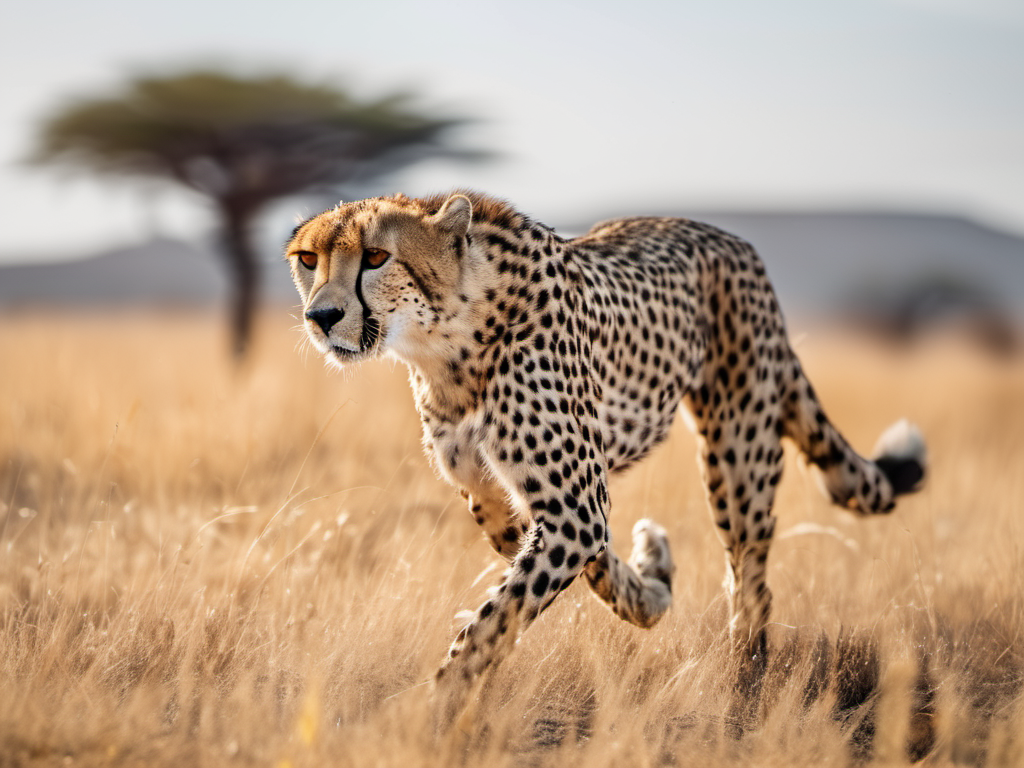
(218, 567)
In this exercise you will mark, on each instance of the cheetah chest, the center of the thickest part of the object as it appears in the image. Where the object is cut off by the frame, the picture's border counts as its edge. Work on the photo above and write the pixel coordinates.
(455, 446)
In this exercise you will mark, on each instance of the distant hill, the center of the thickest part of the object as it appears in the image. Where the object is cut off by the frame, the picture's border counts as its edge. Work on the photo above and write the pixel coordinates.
(159, 272)
(819, 262)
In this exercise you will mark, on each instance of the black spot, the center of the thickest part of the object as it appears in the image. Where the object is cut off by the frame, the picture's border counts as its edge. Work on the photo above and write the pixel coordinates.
(904, 474)
(557, 556)
(501, 242)
(540, 586)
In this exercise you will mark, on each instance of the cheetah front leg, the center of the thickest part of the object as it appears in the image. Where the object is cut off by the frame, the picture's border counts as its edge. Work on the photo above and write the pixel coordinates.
(504, 528)
(569, 531)
(639, 591)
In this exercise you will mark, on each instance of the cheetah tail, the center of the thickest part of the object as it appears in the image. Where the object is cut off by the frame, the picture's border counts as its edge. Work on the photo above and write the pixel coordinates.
(867, 486)
(901, 455)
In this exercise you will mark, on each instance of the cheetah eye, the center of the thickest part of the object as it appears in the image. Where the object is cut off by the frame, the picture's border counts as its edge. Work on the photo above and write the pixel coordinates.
(374, 257)
(307, 258)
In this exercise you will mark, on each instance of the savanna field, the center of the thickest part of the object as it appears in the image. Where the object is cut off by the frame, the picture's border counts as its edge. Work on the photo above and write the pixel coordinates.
(205, 564)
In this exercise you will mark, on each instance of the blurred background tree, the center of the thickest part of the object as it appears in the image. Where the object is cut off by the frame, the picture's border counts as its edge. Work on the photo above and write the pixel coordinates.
(242, 142)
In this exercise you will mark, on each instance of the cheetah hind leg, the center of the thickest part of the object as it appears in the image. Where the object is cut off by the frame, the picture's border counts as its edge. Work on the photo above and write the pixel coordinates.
(638, 591)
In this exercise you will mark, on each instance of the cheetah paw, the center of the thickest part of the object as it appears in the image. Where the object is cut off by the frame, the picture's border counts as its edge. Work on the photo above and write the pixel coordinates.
(651, 555)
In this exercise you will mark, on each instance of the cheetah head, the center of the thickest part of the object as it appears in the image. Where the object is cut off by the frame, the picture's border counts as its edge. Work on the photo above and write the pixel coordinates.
(376, 275)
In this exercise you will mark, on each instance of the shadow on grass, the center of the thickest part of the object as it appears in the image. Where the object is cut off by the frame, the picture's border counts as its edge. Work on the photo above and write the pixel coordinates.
(885, 704)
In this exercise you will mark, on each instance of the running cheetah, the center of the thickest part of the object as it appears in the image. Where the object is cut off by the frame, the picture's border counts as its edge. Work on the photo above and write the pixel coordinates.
(540, 365)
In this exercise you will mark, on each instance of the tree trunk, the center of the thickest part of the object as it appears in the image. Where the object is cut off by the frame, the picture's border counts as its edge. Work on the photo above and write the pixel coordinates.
(243, 273)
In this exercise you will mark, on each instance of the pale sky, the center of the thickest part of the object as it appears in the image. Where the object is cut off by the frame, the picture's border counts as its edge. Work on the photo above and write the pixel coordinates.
(597, 108)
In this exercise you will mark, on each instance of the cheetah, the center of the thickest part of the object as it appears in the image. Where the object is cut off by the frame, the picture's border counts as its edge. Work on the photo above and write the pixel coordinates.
(540, 365)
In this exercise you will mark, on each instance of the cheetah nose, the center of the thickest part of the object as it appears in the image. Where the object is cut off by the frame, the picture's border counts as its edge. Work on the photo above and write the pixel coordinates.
(326, 318)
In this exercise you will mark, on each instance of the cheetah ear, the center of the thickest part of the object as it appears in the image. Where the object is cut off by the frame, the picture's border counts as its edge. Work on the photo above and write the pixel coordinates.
(455, 215)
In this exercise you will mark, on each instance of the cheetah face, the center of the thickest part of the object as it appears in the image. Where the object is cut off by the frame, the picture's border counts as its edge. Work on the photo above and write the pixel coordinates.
(376, 276)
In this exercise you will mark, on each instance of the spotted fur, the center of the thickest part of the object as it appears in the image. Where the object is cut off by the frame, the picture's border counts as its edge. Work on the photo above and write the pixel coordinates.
(540, 365)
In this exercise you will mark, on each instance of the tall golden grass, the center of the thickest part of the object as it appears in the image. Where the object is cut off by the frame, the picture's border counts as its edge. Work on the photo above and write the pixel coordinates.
(205, 565)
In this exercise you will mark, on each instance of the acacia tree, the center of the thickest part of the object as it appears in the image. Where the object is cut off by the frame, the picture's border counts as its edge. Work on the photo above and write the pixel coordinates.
(242, 142)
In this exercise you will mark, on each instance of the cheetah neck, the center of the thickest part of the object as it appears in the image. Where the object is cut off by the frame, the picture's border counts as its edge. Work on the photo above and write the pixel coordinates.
(451, 366)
